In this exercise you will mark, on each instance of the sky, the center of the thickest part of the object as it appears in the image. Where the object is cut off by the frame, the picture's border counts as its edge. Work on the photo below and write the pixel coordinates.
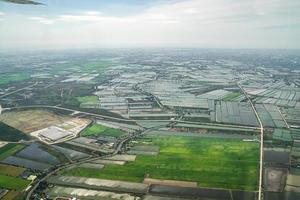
(151, 23)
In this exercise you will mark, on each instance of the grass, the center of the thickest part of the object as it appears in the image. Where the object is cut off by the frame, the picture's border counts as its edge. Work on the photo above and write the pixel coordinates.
(231, 96)
(10, 149)
(88, 99)
(97, 129)
(8, 78)
(8, 133)
(216, 163)
(13, 183)
(10, 170)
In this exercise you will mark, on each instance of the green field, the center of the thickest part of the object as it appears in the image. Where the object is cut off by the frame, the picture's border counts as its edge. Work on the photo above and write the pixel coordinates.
(8, 133)
(217, 163)
(88, 99)
(8, 78)
(13, 183)
(97, 129)
(98, 66)
(231, 96)
(10, 149)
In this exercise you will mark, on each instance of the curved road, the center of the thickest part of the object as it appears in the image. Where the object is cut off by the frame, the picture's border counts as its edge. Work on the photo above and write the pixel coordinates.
(116, 151)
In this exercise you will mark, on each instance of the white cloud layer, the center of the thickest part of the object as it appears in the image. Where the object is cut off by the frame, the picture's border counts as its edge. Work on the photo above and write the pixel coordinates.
(187, 23)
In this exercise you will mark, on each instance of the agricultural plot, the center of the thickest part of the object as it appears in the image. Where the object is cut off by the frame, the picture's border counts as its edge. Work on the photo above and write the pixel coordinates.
(144, 150)
(292, 115)
(31, 120)
(88, 194)
(235, 113)
(216, 94)
(270, 116)
(232, 96)
(109, 162)
(8, 133)
(123, 157)
(9, 78)
(98, 184)
(99, 130)
(12, 194)
(13, 160)
(35, 153)
(91, 165)
(286, 97)
(282, 135)
(10, 149)
(88, 101)
(10, 182)
(218, 163)
(10, 170)
(72, 154)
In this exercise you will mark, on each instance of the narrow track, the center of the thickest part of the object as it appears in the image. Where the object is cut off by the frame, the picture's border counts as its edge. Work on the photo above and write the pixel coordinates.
(260, 189)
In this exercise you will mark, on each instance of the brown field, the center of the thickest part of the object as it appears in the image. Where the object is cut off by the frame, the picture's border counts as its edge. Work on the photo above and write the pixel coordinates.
(32, 120)
(11, 195)
(10, 170)
(170, 182)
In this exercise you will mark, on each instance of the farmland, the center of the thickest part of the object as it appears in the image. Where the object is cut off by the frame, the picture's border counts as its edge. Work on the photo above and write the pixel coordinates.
(234, 165)
(14, 183)
(9, 150)
(90, 99)
(10, 170)
(8, 133)
(31, 120)
(8, 78)
(100, 130)
(231, 96)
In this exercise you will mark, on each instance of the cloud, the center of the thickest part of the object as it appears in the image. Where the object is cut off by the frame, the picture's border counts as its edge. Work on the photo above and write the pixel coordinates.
(2, 13)
(42, 20)
(178, 23)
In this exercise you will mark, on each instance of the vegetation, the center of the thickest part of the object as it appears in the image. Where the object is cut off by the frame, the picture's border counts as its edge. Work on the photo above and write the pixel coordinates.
(10, 170)
(10, 149)
(231, 96)
(8, 133)
(97, 129)
(98, 66)
(13, 183)
(88, 99)
(8, 78)
(218, 163)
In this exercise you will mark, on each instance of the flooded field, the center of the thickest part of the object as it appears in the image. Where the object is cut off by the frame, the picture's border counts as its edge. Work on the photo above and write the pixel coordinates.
(34, 152)
(12, 160)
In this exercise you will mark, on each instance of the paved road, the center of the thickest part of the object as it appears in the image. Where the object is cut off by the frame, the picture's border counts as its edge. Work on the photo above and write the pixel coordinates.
(18, 90)
(116, 151)
(71, 110)
(129, 120)
(260, 189)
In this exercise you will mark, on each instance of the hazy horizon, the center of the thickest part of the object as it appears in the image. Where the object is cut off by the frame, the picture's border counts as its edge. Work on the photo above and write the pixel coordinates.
(233, 24)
